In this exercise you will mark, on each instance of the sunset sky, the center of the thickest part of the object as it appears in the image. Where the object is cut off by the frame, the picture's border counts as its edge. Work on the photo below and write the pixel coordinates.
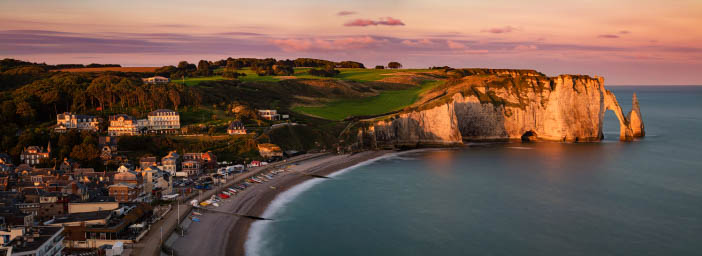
(637, 42)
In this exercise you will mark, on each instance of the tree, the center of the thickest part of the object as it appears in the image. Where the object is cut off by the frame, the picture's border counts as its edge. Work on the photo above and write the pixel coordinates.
(394, 65)
(26, 111)
(203, 68)
(379, 67)
(183, 65)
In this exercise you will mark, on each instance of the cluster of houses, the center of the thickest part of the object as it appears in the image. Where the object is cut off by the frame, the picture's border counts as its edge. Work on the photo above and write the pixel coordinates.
(78, 208)
(46, 210)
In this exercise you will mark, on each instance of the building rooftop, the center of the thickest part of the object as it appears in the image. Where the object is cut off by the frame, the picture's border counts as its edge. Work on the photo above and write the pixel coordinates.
(63, 116)
(162, 112)
(126, 117)
(81, 216)
(33, 238)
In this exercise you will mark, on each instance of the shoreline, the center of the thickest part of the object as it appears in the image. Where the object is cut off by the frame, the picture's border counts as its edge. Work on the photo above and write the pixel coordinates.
(239, 232)
(256, 204)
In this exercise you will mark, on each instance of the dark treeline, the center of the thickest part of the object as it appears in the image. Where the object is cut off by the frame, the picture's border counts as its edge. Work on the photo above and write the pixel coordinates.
(263, 67)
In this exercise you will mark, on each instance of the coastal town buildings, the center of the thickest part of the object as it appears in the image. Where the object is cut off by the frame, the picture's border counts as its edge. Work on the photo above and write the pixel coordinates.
(156, 80)
(33, 240)
(33, 155)
(147, 161)
(269, 114)
(236, 127)
(121, 125)
(123, 192)
(170, 162)
(164, 121)
(69, 121)
(194, 163)
(190, 168)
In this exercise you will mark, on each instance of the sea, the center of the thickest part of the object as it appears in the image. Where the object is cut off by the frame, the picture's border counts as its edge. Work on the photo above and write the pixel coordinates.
(607, 198)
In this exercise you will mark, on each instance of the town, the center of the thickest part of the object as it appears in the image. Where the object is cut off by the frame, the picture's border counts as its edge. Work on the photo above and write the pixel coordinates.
(57, 206)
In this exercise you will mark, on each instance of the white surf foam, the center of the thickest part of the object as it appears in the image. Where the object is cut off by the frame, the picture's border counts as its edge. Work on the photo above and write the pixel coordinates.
(255, 240)
(523, 148)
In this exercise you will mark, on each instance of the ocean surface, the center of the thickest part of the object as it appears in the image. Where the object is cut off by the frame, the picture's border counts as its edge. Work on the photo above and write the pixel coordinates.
(607, 198)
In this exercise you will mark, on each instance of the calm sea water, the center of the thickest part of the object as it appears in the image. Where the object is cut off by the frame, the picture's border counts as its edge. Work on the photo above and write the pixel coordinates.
(609, 198)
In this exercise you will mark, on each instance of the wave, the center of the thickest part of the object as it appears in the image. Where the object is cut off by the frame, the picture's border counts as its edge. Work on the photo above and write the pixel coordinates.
(255, 240)
(523, 148)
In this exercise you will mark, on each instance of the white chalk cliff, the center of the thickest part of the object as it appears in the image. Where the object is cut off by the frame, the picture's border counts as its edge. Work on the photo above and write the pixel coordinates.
(502, 106)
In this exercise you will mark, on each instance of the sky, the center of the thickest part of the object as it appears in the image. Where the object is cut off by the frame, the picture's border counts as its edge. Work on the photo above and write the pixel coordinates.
(628, 42)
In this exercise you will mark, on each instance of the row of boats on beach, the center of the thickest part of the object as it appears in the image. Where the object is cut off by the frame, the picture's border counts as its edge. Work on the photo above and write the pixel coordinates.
(230, 192)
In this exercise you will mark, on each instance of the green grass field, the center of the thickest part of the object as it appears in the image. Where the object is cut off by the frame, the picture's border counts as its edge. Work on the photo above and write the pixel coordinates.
(351, 74)
(385, 102)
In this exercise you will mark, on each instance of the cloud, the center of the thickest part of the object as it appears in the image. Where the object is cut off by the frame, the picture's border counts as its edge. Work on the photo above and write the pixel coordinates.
(502, 30)
(624, 32)
(523, 47)
(310, 44)
(609, 36)
(455, 45)
(345, 13)
(23, 42)
(417, 43)
(387, 21)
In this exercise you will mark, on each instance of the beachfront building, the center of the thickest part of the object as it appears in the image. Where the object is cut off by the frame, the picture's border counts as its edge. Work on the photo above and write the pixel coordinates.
(122, 124)
(207, 160)
(269, 114)
(191, 168)
(236, 127)
(164, 121)
(68, 121)
(156, 80)
(28, 240)
(104, 227)
(33, 155)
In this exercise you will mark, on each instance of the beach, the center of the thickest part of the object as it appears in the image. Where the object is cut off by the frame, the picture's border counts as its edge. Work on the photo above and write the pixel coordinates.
(219, 233)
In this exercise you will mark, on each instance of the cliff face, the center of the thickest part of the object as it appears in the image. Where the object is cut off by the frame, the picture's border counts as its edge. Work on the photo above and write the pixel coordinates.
(506, 106)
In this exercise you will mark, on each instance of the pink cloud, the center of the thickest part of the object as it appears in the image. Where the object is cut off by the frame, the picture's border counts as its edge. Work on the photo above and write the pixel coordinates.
(624, 32)
(344, 13)
(610, 36)
(388, 21)
(308, 44)
(416, 43)
(522, 47)
(501, 30)
(455, 45)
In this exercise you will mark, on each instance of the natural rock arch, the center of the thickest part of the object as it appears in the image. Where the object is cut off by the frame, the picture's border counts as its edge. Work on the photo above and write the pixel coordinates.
(630, 126)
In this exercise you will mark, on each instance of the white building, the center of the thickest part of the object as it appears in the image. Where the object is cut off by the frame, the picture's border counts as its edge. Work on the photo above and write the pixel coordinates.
(269, 114)
(68, 121)
(35, 241)
(125, 125)
(156, 80)
(164, 121)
